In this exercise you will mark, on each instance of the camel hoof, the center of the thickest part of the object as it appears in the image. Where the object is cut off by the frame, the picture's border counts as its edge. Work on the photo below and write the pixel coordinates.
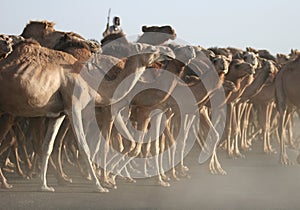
(5, 185)
(64, 181)
(47, 189)
(88, 177)
(176, 177)
(165, 178)
(102, 189)
(130, 180)
(185, 168)
(107, 184)
(240, 155)
(163, 183)
(285, 161)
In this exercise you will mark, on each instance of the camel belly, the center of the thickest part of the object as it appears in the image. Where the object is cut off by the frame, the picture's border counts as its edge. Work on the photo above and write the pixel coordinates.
(30, 97)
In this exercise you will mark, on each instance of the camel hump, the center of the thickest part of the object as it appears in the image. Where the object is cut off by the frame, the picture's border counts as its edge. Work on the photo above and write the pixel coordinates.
(34, 27)
(160, 29)
(69, 40)
(112, 37)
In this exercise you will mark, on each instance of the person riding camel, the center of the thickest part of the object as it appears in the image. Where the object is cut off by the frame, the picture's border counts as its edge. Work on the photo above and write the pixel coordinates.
(114, 29)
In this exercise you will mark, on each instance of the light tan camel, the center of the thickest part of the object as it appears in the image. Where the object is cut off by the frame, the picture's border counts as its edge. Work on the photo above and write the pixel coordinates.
(156, 35)
(41, 87)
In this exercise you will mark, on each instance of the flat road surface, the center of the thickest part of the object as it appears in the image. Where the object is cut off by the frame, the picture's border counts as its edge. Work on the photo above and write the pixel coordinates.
(254, 182)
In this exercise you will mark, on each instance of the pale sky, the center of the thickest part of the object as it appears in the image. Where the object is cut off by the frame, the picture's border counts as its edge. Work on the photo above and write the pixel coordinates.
(269, 24)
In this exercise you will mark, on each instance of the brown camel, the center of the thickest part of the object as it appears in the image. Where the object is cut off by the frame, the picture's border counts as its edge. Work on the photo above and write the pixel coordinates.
(45, 34)
(259, 92)
(262, 53)
(287, 96)
(41, 87)
(242, 76)
(156, 35)
(74, 46)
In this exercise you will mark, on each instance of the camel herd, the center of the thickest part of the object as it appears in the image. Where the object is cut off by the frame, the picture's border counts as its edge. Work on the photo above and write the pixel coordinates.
(97, 105)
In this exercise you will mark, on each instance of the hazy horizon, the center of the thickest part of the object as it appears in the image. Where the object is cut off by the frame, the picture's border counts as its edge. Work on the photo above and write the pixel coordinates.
(267, 25)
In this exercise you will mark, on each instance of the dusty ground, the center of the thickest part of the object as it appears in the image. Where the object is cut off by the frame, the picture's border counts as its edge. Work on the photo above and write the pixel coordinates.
(256, 182)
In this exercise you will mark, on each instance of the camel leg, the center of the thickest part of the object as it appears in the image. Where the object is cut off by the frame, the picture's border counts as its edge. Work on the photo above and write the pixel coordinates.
(106, 130)
(16, 153)
(4, 184)
(17, 157)
(240, 110)
(290, 131)
(214, 165)
(161, 163)
(61, 137)
(269, 115)
(218, 165)
(229, 128)
(157, 123)
(21, 142)
(283, 155)
(187, 125)
(53, 127)
(77, 124)
(245, 146)
(172, 146)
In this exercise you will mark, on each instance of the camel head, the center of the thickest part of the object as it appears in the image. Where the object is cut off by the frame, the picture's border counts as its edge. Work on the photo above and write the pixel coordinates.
(184, 54)
(269, 69)
(294, 53)
(282, 59)
(5, 46)
(94, 45)
(251, 58)
(239, 69)
(221, 64)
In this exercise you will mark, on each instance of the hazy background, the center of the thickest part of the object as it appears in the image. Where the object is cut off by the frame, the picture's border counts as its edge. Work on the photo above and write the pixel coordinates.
(272, 25)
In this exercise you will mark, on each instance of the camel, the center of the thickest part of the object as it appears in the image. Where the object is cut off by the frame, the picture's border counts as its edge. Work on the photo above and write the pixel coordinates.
(200, 97)
(116, 45)
(142, 102)
(282, 59)
(156, 35)
(259, 93)
(76, 47)
(41, 87)
(261, 53)
(241, 76)
(287, 97)
(44, 33)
